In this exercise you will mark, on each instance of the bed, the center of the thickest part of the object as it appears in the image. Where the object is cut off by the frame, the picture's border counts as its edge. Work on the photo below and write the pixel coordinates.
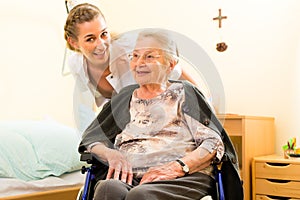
(39, 161)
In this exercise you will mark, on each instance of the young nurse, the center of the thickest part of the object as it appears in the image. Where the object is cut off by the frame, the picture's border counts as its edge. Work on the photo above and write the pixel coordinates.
(98, 62)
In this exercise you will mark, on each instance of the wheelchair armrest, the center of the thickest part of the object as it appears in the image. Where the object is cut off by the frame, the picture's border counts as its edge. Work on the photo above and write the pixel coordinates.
(87, 157)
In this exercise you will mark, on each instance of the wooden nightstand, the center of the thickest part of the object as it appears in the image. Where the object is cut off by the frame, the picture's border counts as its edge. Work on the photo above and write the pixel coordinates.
(274, 177)
(248, 135)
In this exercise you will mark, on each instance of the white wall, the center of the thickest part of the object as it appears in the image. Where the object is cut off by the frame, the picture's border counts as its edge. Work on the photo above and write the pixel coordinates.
(260, 70)
(32, 50)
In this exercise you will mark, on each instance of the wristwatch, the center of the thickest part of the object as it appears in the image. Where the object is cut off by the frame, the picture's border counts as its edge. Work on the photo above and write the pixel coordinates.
(185, 168)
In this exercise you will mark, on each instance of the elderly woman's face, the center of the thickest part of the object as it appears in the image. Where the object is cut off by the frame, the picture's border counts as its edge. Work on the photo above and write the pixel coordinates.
(148, 63)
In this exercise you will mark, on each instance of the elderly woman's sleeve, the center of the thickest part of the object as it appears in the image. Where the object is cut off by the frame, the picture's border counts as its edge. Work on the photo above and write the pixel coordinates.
(205, 137)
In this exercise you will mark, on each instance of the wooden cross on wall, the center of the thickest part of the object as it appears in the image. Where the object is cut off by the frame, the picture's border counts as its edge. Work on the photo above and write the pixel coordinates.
(220, 18)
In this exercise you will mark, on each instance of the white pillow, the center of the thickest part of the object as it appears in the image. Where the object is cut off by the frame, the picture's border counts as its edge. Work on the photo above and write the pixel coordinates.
(31, 150)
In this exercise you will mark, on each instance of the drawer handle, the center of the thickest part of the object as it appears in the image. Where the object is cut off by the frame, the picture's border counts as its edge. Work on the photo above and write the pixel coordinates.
(278, 198)
(278, 164)
(278, 181)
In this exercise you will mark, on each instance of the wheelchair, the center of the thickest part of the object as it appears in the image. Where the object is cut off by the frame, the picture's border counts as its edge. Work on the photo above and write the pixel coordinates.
(87, 191)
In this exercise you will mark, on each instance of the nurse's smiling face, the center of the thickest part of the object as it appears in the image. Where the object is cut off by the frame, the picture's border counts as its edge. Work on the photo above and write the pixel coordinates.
(93, 40)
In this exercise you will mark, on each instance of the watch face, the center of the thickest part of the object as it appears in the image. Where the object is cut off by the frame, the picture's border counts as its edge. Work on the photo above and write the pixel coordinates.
(185, 169)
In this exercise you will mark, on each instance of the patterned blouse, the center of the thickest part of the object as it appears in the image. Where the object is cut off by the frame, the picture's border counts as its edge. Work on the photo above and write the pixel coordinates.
(159, 132)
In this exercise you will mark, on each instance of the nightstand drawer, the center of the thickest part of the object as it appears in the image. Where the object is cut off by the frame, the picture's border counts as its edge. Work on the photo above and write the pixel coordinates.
(278, 188)
(264, 197)
(285, 171)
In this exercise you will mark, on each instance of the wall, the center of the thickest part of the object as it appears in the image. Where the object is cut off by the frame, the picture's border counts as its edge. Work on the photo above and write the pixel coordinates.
(260, 69)
(32, 50)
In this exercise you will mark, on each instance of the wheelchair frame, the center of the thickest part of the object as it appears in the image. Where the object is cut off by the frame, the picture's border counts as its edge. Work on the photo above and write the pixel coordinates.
(87, 191)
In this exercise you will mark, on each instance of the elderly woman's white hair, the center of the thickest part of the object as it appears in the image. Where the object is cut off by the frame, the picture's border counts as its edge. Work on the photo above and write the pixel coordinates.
(165, 39)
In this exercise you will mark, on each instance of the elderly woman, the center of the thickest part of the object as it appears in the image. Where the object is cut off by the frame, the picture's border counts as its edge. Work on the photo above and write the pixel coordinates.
(157, 139)
(97, 61)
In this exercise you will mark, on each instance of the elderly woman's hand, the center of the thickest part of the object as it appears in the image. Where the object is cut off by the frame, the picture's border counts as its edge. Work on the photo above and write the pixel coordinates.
(197, 160)
(119, 168)
(167, 171)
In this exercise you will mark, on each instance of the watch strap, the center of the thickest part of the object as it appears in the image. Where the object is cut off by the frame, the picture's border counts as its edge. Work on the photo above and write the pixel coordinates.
(180, 162)
(183, 165)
